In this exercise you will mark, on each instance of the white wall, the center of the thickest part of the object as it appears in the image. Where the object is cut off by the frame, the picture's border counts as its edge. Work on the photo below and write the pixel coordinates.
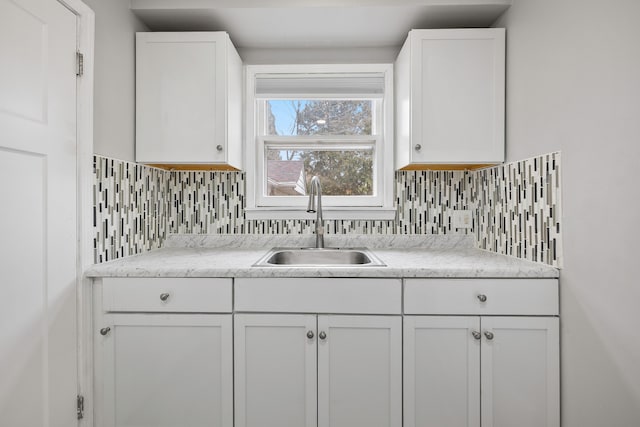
(573, 84)
(362, 55)
(114, 96)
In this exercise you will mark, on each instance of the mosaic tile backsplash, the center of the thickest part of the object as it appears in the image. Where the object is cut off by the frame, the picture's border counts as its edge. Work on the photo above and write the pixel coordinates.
(518, 210)
(516, 207)
(129, 208)
(214, 202)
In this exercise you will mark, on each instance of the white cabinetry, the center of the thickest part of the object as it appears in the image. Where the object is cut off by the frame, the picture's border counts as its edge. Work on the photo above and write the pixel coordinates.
(275, 370)
(318, 369)
(347, 368)
(359, 371)
(188, 100)
(449, 89)
(163, 368)
(469, 370)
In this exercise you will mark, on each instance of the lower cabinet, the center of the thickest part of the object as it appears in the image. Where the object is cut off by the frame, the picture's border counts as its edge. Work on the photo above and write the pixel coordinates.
(471, 371)
(318, 370)
(168, 368)
(466, 353)
(165, 370)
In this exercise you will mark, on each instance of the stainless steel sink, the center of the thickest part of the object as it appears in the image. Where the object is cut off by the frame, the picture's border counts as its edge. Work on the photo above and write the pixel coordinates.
(319, 257)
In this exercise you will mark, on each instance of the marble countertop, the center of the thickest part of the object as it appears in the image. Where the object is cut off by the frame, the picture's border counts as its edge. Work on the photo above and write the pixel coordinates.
(404, 256)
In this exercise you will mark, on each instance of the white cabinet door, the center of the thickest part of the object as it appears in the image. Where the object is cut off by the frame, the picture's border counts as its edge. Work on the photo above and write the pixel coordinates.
(520, 372)
(450, 97)
(188, 91)
(441, 371)
(359, 371)
(165, 370)
(275, 370)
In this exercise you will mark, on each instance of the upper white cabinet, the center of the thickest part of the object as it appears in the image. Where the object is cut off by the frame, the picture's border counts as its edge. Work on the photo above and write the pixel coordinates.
(450, 94)
(188, 100)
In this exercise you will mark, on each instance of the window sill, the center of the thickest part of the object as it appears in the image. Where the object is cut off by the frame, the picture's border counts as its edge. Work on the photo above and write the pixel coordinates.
(384, 214)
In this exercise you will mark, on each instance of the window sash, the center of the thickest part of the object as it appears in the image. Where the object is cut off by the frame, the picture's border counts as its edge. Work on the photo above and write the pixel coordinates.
(264, 143)
(261, 111)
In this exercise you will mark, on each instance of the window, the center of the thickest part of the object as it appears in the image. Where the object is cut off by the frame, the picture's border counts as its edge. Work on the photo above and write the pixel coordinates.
(333, 121)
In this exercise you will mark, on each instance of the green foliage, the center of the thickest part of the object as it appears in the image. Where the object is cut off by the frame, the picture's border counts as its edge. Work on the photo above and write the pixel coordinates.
(341, 172)
(332, 117)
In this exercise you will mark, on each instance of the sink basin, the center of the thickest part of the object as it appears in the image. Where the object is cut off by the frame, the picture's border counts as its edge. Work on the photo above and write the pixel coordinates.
(325, 257)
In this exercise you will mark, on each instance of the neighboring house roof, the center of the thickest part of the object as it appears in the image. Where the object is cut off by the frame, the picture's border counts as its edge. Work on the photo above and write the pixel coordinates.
(286, 176)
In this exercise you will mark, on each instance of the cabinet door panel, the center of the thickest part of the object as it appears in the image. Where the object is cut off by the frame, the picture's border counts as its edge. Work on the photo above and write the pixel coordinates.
(359, 371)
(457, 109)
(275, 370)
(166, 371)
(520, 372)
(441, 371)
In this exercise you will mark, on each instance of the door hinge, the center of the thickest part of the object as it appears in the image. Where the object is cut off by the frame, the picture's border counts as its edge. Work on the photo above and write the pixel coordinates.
(79, 64)
(80, 407)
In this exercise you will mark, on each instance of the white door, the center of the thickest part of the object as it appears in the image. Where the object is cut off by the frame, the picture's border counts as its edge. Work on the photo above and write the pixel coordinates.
(442, 371)
(275, 370)
(38, 218)
(520, 372)
(359, 371)
(165, 370)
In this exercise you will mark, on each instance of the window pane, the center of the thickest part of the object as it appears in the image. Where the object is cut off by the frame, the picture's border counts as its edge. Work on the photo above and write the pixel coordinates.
(318, 117)
(342, 172)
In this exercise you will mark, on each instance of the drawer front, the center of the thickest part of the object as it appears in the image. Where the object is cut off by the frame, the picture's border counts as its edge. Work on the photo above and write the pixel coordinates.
(167, 295)
(311, 295)
(481, 296)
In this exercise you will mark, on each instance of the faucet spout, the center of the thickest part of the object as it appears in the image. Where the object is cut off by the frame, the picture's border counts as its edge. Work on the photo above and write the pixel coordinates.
(315, 192)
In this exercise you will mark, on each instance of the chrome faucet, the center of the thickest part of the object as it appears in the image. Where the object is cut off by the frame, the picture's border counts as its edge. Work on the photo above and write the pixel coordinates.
(315, 189)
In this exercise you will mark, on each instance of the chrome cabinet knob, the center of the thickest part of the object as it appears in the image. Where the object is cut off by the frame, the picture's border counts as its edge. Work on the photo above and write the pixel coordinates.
(322, 335)
(105, 331)
(488, 335)
(219, 147)
(418, 147)
(482, 298)
(164, 297)
(476, 335)
(310, 335)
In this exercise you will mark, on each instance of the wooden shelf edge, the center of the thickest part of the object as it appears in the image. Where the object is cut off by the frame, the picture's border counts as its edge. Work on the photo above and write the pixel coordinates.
(446, 167)
(193, 167)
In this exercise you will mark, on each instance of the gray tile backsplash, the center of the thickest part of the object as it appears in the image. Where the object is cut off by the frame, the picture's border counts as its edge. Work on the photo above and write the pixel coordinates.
(129, 208)
(516, 207)
(214, 202)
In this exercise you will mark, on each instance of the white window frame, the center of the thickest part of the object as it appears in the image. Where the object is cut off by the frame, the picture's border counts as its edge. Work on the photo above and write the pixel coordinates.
(380, 206)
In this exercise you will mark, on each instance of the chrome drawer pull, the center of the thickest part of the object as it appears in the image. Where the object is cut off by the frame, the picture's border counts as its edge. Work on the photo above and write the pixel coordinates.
(482, 298)
(105, 331)
(164, 297)
(310, 335)
(476, 335)
(489, 335)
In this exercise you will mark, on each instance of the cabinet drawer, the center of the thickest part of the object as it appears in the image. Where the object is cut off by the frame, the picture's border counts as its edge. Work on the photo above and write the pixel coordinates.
(464, 296)
(294, 295)
(167, 295)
